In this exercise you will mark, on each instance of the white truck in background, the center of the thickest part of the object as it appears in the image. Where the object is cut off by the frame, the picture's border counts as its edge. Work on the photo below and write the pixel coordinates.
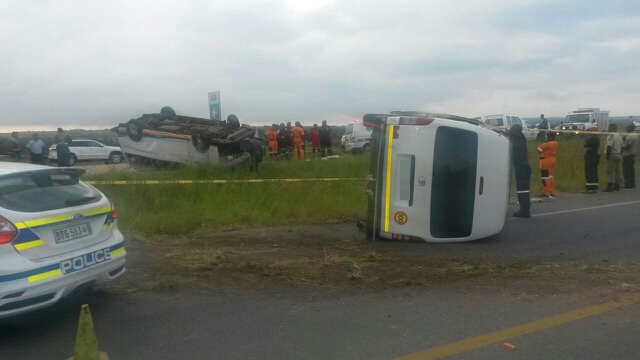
(586, 119)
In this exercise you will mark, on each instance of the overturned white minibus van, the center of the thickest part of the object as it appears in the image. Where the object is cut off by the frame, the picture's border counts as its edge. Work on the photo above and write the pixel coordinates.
(435, 178)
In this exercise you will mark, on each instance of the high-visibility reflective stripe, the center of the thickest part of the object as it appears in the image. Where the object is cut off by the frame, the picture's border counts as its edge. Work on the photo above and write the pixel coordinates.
(540, 150)
(547, 178)
(387, 196)
(194, 182)
(117, 252)
(44, 276)
(29, 245)
(61, 218)
(522, 192)
(593, 184)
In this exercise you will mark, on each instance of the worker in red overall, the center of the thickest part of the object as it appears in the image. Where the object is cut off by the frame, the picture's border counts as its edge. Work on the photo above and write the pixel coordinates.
(272, 134)
(315, 140)
(298, 141)
(547, 164)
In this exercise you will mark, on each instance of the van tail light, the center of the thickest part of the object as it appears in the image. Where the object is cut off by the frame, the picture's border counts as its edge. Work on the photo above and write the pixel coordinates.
(8, 232)
(114, 213)
(415, 121)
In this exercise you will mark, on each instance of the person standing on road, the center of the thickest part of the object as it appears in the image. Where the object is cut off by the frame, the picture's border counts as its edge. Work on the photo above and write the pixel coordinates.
(547, 165)
(591, 162)
(272, 135)
(315, 140)
(298, 141)
(614, 159)
(15, 153)
(325, 139)
(629, 151)
(543, 126)
(35, 147)
(520, 159)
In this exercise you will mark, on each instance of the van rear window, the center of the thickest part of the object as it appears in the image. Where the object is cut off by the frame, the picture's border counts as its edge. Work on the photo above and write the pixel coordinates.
(44, 191)
(455, 162)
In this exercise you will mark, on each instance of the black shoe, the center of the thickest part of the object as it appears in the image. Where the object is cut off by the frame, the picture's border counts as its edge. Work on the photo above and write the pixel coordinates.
(522, 214)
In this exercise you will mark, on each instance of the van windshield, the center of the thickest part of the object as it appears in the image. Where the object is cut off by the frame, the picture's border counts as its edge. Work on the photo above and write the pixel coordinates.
(349, 129)
(578, 118)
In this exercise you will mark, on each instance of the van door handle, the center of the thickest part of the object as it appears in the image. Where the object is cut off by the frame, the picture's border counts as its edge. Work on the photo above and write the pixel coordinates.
(481, 185)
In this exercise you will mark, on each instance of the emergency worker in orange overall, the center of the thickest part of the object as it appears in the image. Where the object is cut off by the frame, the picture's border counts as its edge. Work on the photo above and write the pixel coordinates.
(272, 134)
(298, 141)
(547, 165)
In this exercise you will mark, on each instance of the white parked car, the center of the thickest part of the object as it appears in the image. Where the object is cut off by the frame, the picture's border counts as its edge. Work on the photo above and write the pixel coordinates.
(85, 149)
(357, 138)
(57, 234)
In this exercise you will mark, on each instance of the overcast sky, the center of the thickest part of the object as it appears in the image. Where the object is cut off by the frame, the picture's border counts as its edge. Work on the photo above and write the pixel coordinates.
(94, 63)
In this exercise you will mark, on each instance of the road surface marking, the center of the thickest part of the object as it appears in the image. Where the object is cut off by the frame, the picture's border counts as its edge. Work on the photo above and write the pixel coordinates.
(506, 334)
(582, 209)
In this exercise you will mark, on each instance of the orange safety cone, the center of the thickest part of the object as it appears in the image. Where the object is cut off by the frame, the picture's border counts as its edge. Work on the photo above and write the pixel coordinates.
(86, 342)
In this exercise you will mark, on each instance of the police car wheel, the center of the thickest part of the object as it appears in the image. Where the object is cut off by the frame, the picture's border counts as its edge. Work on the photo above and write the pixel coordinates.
(115, 158)
(72, 160)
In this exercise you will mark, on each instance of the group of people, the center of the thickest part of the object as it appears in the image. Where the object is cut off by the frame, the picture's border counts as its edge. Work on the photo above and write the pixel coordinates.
(36, 148)
(286, 142)
(620, 155)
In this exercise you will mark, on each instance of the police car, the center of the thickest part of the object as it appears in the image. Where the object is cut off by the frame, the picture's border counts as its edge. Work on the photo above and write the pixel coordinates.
(57, 234)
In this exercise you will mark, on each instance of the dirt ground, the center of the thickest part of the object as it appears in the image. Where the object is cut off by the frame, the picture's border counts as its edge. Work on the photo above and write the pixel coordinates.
(337, 257)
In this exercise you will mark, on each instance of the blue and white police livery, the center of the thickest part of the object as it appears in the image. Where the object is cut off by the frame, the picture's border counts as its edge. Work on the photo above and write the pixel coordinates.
(57, 234)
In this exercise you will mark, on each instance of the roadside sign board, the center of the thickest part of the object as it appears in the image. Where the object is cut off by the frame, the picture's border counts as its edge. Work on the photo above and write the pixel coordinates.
(215, 112)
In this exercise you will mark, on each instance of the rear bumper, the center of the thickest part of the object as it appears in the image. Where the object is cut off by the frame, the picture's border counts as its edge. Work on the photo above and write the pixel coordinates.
(42, 293)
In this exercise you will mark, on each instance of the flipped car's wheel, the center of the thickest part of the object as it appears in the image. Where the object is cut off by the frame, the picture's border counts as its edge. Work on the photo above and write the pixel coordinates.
(199, 143)
(115, 158)
(134, 131)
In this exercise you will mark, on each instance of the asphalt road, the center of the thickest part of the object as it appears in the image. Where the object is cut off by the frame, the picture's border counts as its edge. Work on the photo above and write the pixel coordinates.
(375, 326)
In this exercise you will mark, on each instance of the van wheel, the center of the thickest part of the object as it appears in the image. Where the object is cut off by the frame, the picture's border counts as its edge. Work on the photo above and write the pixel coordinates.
(72, 160)
(199, 143)
(115, 158)
(134, 131)
(366, 148)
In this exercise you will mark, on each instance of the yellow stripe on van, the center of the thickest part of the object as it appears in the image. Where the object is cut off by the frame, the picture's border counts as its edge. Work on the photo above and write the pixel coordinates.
(29, 245)
(46, 275)
(387, 197)
(60, 218)
(117, 252)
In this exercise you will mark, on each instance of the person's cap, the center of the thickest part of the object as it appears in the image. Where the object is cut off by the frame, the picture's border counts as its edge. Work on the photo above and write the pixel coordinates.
(541, 115)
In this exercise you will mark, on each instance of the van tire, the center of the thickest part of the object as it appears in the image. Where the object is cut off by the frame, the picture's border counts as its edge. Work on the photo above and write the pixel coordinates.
(114, 158)
(134, 131)
(199, 142)
(366, 148)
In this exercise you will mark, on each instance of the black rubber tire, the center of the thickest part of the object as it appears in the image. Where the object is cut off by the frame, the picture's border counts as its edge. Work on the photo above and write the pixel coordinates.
(134, 131)
(115, 158)
(366, 148)
(73, 160)
(199, 142)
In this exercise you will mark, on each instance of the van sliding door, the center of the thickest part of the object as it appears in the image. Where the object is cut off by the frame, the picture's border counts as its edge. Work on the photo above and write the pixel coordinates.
(455, 163)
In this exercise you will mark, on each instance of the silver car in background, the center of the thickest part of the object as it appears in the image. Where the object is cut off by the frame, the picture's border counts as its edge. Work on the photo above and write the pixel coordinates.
(57, 234)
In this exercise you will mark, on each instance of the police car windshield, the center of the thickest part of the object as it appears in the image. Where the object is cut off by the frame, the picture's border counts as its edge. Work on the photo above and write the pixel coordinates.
(44, 191)
(581, 118)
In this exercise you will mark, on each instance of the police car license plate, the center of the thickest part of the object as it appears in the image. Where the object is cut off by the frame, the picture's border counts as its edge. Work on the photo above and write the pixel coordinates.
(72, 232)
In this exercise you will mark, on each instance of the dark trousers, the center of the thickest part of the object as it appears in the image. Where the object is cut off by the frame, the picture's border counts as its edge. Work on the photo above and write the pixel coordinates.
(254, 161)
(523, 179)
(37, 159)
(325, 147)
(591, 161)
(629, 170)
